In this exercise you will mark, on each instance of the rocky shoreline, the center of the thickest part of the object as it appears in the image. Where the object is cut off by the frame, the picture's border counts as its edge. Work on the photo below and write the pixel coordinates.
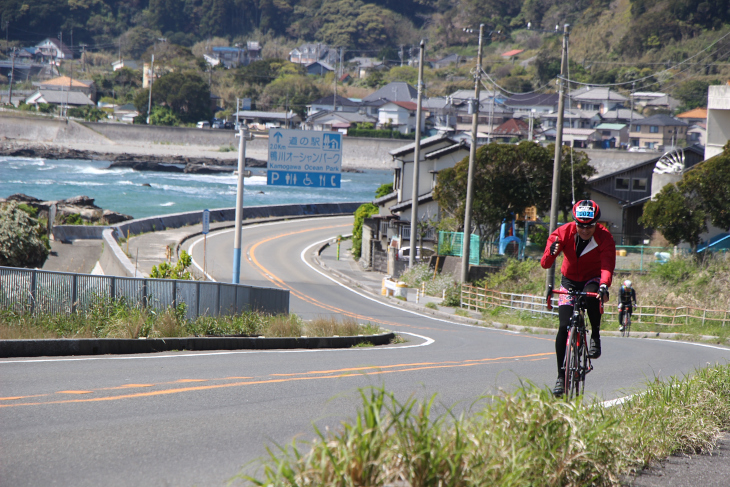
(138, 162)
(77, 205)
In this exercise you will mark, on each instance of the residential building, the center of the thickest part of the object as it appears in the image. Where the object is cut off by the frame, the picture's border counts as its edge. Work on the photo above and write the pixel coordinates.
(621, 115)
(616, 132)
(440, 113)
(333, 103)
(718, 119)
(53, 49)
(401, 115)
(394, 91)
(664, 103)
(697, 134)
(267, 119)
(578, 138)
(574, 118)
(694, 116)
(536, 103)
(642, 98)
(513, 128)
(449, 60)
(337, 121)
(658, 132)
(311, 53)
(60, 98)
(65, 83)
(125, 113)
(365, 65)
(512, 55)
(599, 99)
(319, 68)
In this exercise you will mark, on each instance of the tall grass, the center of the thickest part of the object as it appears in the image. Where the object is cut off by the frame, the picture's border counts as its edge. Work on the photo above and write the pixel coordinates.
(524, 438)
(114, 319)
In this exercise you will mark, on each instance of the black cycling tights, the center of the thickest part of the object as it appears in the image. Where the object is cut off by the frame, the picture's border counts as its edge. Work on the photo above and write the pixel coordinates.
(565, 313)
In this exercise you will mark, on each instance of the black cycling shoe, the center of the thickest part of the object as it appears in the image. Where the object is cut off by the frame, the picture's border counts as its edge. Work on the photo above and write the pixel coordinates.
(559, 388)
(595, 351)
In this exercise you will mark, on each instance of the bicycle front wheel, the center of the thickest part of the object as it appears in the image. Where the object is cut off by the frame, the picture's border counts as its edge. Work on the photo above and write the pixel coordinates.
(572, 364)
(627, 328)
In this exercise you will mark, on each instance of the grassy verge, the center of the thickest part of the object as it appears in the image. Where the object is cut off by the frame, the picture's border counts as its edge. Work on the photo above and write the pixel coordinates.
(524, 438)
(115, 320)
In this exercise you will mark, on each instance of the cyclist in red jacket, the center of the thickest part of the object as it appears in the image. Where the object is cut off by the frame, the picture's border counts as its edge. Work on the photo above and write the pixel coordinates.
(589, 258)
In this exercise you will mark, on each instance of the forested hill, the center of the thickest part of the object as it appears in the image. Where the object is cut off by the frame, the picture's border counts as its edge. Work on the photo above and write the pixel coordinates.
(613, 28)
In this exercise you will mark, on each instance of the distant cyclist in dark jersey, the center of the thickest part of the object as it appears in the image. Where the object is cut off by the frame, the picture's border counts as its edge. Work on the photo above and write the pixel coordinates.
(589, 258)
(626, 302)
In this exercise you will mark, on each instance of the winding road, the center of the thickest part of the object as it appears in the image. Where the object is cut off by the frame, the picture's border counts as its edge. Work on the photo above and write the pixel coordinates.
(187, 418)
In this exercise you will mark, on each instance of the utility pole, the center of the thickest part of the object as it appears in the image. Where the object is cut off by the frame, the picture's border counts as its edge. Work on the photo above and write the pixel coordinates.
(7, 44)
(416, 159)
(12, 75)
(243, 134)
(152, 75)
(472, 162)
(631, 115)
(550, 280)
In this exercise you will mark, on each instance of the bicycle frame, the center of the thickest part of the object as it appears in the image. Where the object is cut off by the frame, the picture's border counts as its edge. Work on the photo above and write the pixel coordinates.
(576, 363)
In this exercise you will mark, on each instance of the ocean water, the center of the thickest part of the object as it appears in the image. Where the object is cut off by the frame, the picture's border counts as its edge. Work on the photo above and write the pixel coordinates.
(126, 190)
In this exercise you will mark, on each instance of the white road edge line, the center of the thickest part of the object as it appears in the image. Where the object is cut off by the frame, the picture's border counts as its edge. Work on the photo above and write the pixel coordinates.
(302, 255)
(427, 341)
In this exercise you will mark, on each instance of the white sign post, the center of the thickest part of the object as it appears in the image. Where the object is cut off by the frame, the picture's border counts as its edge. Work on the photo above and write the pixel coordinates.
(206, 229)
(304, 158)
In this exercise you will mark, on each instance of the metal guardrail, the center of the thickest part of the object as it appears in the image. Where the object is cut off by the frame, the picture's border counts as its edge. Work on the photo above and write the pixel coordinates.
(37, 291)
(479, 299)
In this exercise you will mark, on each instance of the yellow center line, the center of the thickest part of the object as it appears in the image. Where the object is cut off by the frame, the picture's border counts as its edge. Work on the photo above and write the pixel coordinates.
(334, 374)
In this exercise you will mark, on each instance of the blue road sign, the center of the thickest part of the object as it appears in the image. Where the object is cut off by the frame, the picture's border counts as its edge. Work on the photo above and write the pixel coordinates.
(303, 179)
(305, 158)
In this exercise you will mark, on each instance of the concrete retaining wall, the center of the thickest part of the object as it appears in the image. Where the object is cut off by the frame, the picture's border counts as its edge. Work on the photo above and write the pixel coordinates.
(67, 233)
(38, 129)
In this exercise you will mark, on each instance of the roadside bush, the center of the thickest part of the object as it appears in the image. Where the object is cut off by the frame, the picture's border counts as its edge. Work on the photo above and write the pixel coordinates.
(21, 238)
(674, 271)
(364, 211)
(515, 276)
(179, 271)
(423, 274)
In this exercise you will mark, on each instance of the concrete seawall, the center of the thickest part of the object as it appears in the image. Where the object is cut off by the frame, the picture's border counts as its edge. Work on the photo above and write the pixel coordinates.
(356, 152)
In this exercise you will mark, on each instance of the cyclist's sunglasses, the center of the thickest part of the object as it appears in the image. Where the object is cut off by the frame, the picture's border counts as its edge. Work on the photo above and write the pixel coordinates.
(585, 225)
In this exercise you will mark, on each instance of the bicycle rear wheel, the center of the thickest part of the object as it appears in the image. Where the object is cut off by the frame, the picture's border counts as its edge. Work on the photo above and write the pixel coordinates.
(572, 363)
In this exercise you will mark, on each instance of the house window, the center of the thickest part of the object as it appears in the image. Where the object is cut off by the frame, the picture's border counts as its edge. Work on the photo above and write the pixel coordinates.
(622, 184)
(637, 128)
(653, 129)
(639, 184)
(606, 133)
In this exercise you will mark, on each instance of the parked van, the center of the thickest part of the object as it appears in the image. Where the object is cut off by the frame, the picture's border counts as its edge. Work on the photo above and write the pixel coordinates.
(203, 125)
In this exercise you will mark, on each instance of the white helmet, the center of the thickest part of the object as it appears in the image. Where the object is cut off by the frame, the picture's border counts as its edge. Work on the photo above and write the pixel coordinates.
(627, 284)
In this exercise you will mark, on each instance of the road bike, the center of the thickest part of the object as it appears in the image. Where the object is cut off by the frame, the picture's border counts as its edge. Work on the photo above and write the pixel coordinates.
(626, 325)
(576, 364)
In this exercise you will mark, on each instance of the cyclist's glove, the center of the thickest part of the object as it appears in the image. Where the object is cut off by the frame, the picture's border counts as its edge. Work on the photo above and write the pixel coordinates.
(603, 291)
(555, 247)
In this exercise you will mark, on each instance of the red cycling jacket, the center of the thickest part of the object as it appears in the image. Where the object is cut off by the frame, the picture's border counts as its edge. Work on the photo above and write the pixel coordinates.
(598, 258)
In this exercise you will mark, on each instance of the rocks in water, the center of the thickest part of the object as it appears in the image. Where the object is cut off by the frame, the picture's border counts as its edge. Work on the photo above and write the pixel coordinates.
(77, 205)
(147, 185)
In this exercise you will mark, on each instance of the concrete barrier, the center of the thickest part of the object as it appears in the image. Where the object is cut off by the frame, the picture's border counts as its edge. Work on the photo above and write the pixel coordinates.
(41, 129)
(67, 233)
(116, 263)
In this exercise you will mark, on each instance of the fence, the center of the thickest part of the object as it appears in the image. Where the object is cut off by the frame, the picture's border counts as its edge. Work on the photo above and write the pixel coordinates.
(478, 299)
(639, 257)
(452, 243)
(48, 292)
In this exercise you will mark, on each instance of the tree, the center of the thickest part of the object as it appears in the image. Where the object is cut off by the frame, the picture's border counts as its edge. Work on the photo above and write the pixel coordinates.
(693, 93)
(507, 179)
(178, 271)
(186, 94)
(676, 214)
(293, 92)
(681, 211)
(21, 238)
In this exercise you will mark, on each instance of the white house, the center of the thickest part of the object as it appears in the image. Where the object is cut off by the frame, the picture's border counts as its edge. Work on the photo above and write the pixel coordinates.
(400, 115)
(53, 49)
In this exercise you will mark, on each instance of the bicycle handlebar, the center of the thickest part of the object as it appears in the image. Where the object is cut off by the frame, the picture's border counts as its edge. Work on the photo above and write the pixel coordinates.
(551, 291)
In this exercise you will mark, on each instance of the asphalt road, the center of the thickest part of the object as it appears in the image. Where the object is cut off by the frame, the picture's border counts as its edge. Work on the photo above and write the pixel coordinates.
(199, 418)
